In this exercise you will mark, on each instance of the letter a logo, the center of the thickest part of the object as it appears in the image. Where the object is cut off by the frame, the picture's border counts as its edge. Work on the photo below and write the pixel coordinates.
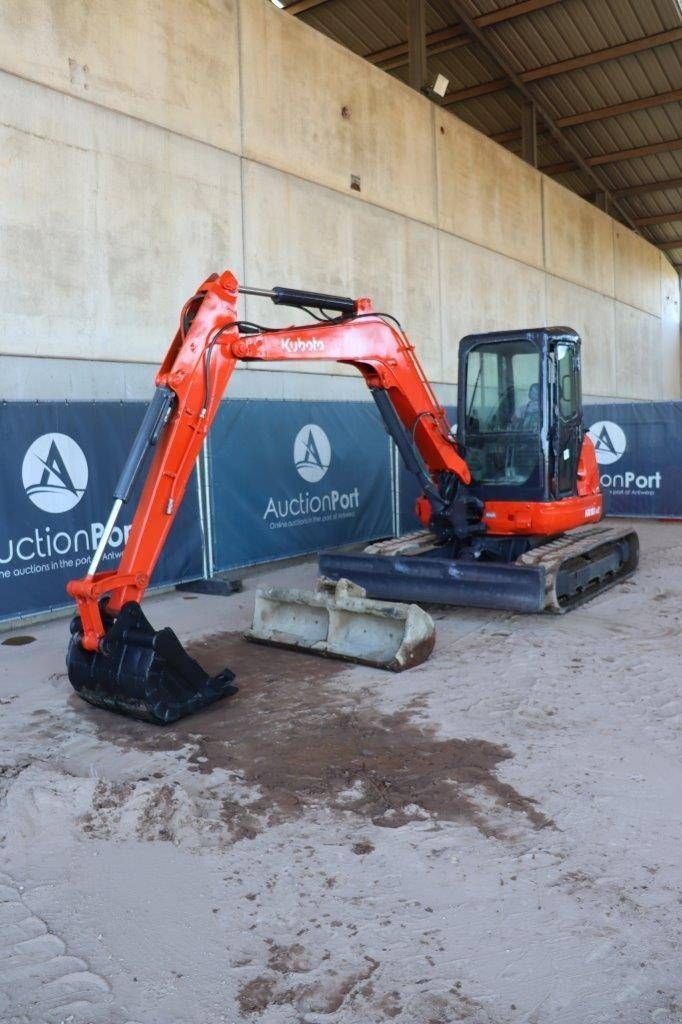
(604, 442)
(312, 452)
(54, 473)
(609, 441)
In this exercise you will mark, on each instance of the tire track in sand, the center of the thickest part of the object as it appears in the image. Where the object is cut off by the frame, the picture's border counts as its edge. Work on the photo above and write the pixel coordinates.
(39, 980)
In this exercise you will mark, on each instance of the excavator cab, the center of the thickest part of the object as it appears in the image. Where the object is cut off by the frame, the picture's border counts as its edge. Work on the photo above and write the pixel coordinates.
(522, 533)
(520, 414)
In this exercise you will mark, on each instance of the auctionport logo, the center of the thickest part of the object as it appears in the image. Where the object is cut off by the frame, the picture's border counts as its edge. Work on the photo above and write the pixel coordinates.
(312, 453)
(54, 473)
(312, 456)
(609, 441)
(610, 444)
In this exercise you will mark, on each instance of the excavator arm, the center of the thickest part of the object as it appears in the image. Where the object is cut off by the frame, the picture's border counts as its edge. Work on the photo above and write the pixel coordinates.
(116, 659)
(189, 386)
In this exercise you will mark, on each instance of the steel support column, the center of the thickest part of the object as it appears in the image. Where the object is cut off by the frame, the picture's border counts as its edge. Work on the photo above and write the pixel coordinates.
(529, 133)
(416, 43)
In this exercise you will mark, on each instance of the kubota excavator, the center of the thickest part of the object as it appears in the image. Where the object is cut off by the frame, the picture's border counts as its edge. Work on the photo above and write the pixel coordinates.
(498, 499)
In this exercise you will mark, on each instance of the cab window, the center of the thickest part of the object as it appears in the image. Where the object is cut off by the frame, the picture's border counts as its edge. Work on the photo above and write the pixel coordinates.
(568, 389)
(503, 412)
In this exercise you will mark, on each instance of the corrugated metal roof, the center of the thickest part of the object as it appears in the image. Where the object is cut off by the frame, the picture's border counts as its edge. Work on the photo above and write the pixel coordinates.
(556, 30)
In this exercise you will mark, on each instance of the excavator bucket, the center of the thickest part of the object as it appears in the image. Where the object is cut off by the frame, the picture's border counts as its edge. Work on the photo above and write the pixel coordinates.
(142, 672)
(337, 620)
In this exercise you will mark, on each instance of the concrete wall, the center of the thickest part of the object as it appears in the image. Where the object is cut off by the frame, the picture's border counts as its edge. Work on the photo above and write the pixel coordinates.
(145, 143)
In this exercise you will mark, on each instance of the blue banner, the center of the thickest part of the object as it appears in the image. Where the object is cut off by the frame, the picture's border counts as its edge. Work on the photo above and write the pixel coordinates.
(291, 478)
(638, 448)
(284, 478)
(60, 463)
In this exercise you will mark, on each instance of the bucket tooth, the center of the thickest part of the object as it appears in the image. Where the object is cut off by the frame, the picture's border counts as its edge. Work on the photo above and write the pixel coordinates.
(142, 672)
(338, 621)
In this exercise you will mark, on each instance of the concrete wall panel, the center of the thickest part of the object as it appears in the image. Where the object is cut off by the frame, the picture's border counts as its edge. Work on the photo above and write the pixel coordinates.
(106, 227)
(671, 368)
(483, 291)
(578, 239)
(80, 380)
(486, 194)
(637, 270)
(670, 293)
(593, 316)
(113, 207)
(172, 62)
(296, 83)
(639, 370)
(342, 247)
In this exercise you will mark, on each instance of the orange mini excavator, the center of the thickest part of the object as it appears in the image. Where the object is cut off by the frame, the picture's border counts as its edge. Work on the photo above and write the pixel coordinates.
(497, 501)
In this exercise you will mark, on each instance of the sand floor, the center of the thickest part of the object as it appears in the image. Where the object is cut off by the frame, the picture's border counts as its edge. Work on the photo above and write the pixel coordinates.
(492, 837)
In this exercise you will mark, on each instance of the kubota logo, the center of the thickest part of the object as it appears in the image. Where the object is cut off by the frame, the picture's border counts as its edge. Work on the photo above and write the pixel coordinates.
(54, 473)
(295, 345)
(609, 441)
(312, 452)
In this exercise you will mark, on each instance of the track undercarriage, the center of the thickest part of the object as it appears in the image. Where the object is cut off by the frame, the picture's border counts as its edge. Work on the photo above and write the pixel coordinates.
(550, 575)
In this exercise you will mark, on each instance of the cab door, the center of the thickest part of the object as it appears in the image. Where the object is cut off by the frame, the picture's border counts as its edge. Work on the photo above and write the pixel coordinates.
(567, 432)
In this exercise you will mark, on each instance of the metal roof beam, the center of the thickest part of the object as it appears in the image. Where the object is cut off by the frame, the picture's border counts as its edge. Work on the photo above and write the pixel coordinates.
(645, 190)
(585, 60)
(432, 50)
(542, 111)
(629, 154)
(452, 36)
(599, 56)
(512, 135)
(472, 91)
(600, 114)
(397, 54)
(658, 218)
(560, 167)
(512, 11)
(611, 158)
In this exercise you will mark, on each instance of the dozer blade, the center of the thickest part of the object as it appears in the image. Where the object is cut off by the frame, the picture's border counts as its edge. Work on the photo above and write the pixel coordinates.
(432, 580)
(142, 672)
(338, 621)
(555, 576)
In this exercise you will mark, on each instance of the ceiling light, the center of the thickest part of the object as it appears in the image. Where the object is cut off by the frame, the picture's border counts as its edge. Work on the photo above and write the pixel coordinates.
(440, 86)
(278, 3)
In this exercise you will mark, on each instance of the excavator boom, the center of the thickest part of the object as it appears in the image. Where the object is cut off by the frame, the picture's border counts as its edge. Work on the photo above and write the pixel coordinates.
(115, 658)
(190, 385)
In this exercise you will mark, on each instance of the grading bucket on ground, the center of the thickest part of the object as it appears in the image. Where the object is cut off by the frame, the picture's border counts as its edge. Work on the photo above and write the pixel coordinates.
(338, 621)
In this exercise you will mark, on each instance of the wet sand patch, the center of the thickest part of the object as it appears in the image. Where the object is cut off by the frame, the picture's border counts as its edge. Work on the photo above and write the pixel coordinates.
(302, 743)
